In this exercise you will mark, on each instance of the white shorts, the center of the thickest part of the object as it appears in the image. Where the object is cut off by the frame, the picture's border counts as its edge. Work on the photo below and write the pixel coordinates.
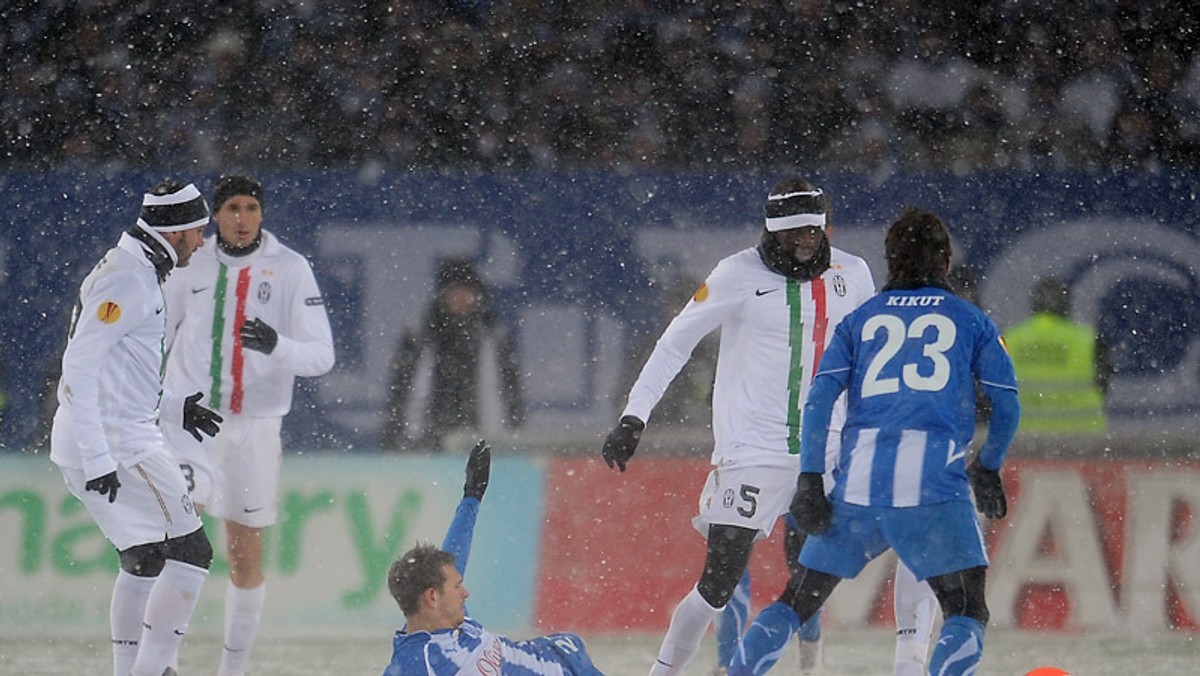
(751, 497)
(234, 475)
(152, 503)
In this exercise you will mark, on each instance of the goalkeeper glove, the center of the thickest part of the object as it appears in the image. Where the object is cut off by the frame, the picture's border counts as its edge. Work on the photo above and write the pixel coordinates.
(989, 490)
(810, 508)
(622, 441)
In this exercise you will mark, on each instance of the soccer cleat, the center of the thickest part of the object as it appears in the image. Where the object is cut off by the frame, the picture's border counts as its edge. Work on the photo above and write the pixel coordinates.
(720, 671)
(810, 657)
(169, 672)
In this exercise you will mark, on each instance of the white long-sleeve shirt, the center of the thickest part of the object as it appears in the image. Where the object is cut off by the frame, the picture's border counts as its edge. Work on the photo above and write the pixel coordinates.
(207, 303)
(773, 331)
(111, 385)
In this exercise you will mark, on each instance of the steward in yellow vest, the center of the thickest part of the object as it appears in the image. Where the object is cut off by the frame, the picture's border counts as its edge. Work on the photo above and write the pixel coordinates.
(1056, 365)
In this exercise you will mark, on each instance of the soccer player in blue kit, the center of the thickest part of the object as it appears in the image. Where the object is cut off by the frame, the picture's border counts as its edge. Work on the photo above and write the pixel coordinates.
(438, 637)
(909, 359)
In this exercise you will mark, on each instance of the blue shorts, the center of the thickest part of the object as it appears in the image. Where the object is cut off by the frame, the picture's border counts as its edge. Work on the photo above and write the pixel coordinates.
(931, 540)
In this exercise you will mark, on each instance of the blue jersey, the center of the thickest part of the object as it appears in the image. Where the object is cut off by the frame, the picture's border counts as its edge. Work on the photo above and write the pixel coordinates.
(472, 650)
(909, 360)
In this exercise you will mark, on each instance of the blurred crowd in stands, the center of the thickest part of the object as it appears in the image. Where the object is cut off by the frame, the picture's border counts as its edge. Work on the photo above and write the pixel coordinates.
(865, 85)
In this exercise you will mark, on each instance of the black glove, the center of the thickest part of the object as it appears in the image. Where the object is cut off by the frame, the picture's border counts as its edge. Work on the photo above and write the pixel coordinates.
(197, 419)
(989, 490)
(104, 485)
(479, 471)
(622, 441)
(810, 508)
(258, 335)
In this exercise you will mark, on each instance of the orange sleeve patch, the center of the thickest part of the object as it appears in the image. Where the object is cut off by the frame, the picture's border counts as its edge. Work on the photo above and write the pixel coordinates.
(701, 293)
(108, 312)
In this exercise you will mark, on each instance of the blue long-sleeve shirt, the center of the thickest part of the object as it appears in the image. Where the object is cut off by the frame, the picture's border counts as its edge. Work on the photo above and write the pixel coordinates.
(908, 361)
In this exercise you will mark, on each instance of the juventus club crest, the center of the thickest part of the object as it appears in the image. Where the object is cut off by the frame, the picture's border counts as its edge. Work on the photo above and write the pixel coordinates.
(839, 285)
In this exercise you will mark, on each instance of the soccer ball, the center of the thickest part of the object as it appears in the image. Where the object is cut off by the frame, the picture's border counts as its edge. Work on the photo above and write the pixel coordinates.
(1047, 671)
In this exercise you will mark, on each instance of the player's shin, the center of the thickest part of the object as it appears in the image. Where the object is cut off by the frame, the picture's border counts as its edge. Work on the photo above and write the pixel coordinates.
(916, 609)
(126, 613)
(689, 623)
(168, 610)
(765, 640)
(959, 647)
(732, 622)
(809, 643)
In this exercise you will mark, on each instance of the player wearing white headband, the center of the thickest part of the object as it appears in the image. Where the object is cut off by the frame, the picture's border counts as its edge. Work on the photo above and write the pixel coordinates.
(107, 444)
(777, 305)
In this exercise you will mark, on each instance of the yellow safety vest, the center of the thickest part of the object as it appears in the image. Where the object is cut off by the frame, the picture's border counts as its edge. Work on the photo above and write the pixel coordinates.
(1056, 375)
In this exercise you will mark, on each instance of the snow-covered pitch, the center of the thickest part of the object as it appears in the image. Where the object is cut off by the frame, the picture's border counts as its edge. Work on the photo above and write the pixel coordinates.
(857, 653)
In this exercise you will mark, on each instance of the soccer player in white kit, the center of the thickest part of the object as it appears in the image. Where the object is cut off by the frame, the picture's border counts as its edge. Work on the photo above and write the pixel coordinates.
(106, 441)
(776, 305)
(243, 322)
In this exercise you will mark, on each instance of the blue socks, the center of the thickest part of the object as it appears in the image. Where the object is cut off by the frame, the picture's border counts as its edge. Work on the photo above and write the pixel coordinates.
(811, 630)
(958, 649)
(733, 621)
(765, 640)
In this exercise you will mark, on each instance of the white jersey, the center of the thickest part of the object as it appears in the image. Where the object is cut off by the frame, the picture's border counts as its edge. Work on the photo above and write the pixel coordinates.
(111, 385)
(773, 332)
(210, 299)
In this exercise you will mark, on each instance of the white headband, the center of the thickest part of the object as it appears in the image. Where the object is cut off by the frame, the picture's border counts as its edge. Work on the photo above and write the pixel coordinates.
(795, 221)
(804, 212)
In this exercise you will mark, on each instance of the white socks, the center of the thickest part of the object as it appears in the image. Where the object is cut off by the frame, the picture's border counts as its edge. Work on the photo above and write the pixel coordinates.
(243, 612)
(689, 622)
(125, 615)
(168, 610)
(916, 607)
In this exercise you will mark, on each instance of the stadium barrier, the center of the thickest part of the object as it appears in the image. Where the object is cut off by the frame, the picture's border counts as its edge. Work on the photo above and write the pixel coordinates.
(563, 542)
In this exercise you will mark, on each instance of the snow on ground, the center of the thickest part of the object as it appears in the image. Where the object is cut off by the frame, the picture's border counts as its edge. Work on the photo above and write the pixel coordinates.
(847, 653)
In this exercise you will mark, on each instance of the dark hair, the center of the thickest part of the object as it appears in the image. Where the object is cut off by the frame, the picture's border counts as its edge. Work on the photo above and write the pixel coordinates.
(417, 570)
(917, 248)
(1050, 295)
(167, 186)
(458, 270)
(237, 184)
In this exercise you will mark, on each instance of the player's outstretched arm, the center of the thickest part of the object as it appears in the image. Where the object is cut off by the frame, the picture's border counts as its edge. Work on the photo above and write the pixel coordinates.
(462, 527)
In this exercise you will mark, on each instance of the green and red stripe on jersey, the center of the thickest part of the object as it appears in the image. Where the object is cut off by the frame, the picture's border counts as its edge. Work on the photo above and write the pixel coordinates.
(796, 375)
(219, 334)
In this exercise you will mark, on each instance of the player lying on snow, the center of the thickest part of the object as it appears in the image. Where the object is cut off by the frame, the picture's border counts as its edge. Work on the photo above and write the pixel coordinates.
(438, 637)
